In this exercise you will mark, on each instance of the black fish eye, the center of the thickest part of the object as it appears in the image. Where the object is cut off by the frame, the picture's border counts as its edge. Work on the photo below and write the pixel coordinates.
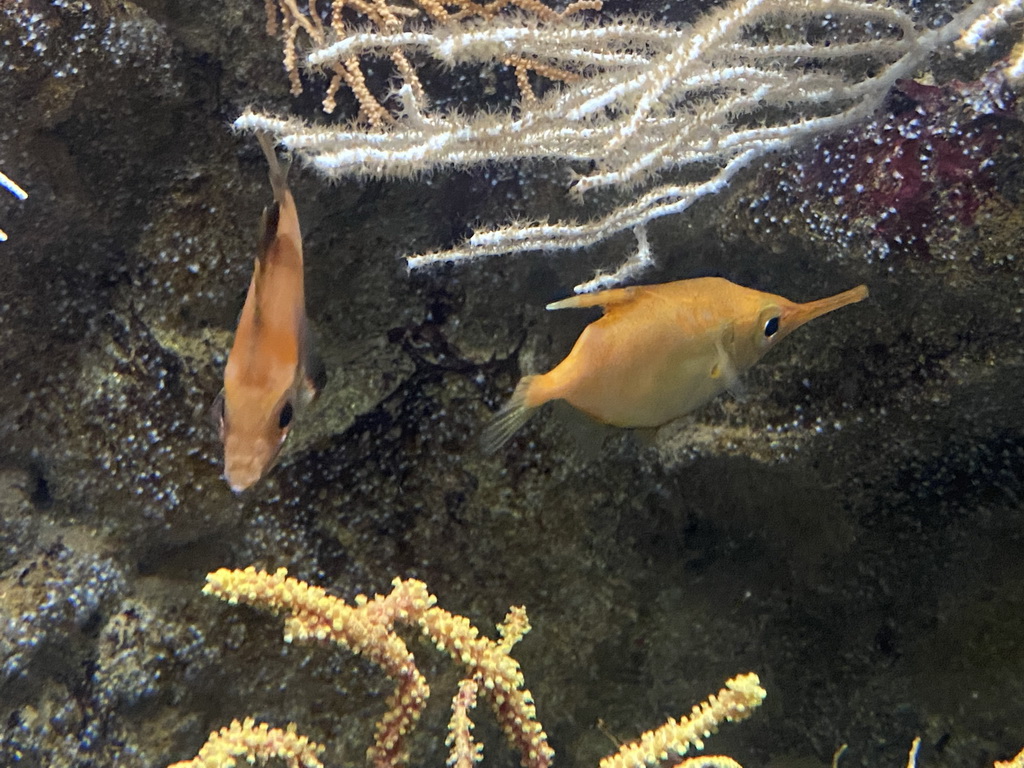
(771, 327)
(286, 416)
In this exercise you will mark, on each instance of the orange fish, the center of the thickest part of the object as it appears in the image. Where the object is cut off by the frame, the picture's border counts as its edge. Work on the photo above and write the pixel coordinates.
(270, 373)
(661, 351)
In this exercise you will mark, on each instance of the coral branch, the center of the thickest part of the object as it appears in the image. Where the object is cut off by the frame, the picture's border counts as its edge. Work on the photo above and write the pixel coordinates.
(367, 628)
(1013, 762)
(465, 752)
(632, 98)
(501, 678)
(255, 743)
(671, 741)
(11, 186)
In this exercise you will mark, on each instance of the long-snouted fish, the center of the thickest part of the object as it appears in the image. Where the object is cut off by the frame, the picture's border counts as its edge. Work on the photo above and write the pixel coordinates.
(660, 351)
(269, 375)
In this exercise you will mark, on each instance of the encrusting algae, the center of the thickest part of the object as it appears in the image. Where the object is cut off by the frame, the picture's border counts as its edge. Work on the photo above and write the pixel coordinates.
(367, 628)
(661, 351)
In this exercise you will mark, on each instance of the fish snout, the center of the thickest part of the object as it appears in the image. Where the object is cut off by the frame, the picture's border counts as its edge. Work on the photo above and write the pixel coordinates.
(245, 463)
(240, 481)
(798, 314)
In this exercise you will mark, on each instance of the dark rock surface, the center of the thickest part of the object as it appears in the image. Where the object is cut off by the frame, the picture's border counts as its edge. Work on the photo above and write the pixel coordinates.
(849, 526)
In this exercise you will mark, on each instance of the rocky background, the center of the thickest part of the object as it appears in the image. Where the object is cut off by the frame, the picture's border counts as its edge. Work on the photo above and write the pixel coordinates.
(849, 526)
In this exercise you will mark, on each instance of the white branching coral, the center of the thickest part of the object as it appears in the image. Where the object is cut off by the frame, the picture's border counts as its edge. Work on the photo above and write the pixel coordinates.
(661, 116)
(11, 186)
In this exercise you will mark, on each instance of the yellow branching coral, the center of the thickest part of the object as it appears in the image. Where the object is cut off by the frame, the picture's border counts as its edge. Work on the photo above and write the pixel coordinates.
(465, 753)
(1013, 762)
(255, 743)
(367, 628)
(500, 675)
(672, 740)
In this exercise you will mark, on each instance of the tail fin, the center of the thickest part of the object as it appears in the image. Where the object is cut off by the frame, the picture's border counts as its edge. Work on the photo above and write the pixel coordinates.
(513, 415)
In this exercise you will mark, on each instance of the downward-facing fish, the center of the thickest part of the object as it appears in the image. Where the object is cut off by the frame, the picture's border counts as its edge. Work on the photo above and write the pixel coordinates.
(661, 351)
(269, 374)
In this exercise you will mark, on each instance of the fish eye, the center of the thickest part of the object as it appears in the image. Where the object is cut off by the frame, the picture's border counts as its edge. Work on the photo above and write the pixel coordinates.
(771, 327)
(285, 418)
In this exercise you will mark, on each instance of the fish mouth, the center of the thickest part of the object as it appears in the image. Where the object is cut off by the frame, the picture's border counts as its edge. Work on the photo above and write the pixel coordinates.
(244, 468)
(241, 475)
(239, 488)
(238, 485)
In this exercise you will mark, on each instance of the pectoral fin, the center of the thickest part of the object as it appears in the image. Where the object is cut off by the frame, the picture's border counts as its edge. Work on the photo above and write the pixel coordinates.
(216, 413)
(723, 369)
(313, 371)
(315, 378)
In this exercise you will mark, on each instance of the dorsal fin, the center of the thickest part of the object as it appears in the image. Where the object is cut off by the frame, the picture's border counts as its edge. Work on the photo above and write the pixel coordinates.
(268, 234)
(268, 230)
(607, 299)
